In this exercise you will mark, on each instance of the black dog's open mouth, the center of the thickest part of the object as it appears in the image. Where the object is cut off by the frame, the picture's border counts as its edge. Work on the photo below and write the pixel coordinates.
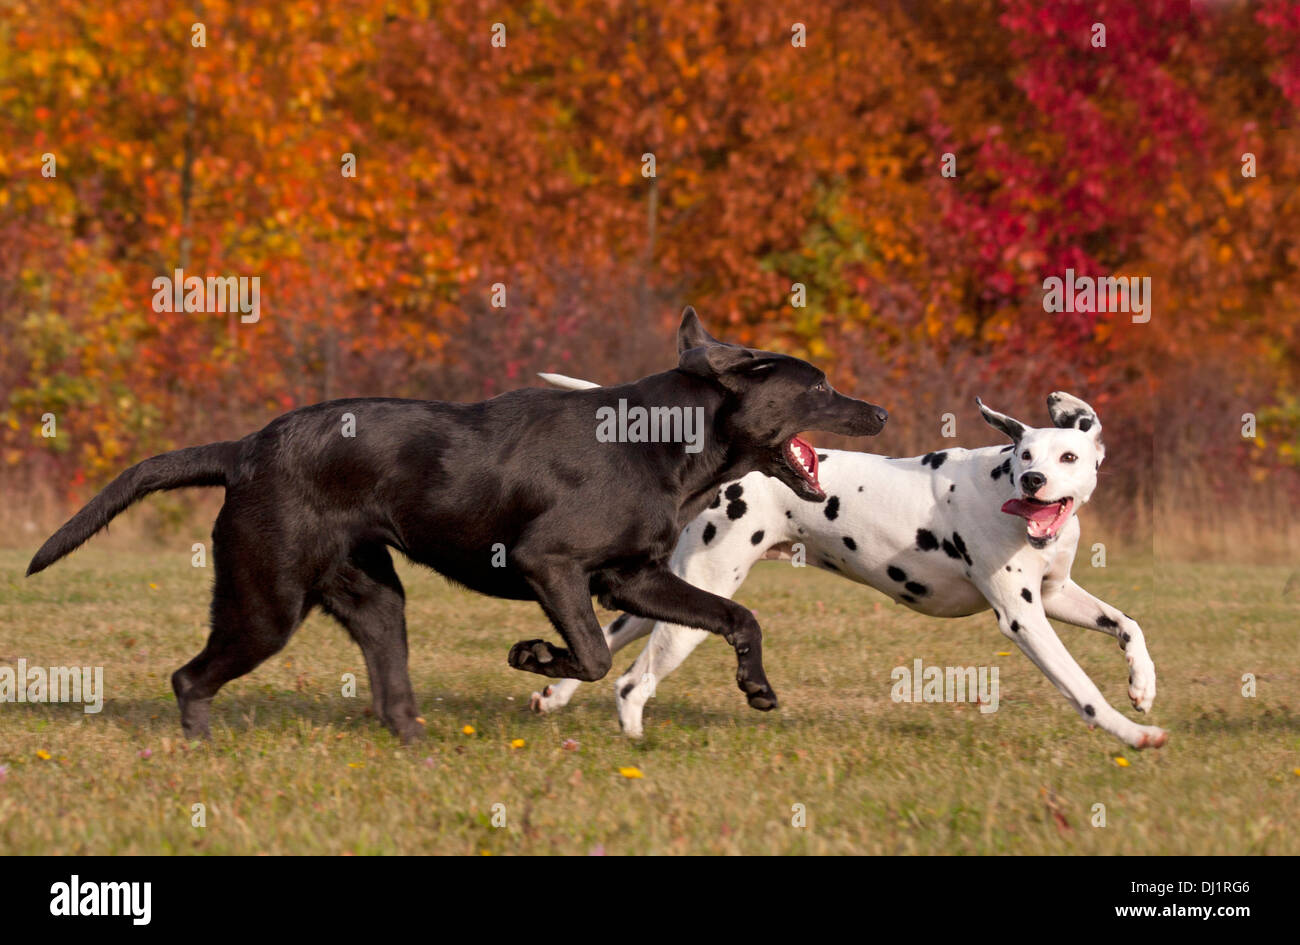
(802, 458)
(1046, 519)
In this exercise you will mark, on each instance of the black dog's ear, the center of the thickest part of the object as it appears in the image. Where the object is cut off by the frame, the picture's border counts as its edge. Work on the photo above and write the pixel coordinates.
(1001, 422)
(1069, 411)
(715, 360)
(691, 334)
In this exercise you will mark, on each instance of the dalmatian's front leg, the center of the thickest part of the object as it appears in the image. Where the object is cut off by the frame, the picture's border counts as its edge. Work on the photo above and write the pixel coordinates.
(1022, 619)
(1072, 604)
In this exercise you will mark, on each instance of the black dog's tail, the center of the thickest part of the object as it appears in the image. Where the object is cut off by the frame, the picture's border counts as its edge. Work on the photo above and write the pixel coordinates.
(209, 465)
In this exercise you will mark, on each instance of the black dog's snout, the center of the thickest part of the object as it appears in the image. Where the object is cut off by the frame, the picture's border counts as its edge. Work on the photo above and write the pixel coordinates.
(1031, 482)
(882, 415)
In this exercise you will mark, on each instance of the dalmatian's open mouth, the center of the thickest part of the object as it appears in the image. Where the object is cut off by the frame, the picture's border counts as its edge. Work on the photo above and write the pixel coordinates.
(802, 458)
(1046, 519)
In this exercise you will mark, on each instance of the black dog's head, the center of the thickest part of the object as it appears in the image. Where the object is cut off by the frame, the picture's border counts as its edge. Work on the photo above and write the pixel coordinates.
(770, 398)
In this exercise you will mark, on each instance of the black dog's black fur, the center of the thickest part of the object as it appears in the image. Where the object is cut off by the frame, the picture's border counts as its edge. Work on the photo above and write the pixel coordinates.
(310, 514)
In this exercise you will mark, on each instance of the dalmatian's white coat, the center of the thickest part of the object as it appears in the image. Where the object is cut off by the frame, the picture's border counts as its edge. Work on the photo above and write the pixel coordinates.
(931, 533)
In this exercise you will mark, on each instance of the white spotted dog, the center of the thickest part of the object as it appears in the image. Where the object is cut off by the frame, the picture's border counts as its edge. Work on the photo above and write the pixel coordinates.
(950, 533)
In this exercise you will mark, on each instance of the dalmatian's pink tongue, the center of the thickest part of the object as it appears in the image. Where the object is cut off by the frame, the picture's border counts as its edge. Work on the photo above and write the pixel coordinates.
(1045, 519)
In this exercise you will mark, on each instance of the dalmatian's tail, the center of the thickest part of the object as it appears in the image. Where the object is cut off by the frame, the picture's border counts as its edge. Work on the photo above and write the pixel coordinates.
(568, 383)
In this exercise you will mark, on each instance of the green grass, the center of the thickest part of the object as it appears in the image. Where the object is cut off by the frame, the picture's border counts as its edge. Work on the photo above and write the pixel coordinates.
(294, 767)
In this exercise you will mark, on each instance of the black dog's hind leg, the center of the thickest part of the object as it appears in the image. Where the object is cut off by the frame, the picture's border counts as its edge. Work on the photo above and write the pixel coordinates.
(564, 592)
(254, 612)
(661, 595)
(366, 596)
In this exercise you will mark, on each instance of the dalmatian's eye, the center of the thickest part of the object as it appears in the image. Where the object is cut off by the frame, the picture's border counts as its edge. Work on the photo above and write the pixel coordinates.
(1026, 456)
(1068, 457)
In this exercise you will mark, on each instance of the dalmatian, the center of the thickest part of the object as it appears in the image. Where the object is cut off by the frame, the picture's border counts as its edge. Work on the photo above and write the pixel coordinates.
(951, 533)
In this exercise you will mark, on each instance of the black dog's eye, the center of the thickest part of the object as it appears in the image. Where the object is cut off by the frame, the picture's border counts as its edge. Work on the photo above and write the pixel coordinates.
(1068, 457)
(1025, 456)
(820, 387)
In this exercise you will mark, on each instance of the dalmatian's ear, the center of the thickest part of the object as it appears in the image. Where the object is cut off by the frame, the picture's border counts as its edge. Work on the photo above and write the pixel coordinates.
(1069, 411)
(1001, 422)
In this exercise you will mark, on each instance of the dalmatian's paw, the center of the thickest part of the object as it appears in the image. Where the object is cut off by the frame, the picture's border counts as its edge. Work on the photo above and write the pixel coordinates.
(631, 693)
(1148, 736)
(554, 697)
(1141, 681)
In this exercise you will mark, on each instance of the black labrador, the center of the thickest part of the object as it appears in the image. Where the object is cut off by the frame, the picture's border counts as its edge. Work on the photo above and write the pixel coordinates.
(538, 494)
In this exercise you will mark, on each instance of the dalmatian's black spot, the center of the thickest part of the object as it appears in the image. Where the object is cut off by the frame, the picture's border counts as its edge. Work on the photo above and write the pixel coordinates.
(896, 573)
(917, 588)
(909, 598)
(1106, 623)
(1038, 542)
(1015, 626)
(996, 615)
(627, 689)
(709, 532)
(1125, 637)
(717, 501)
(933, 460)
(736, 508)
(859, 488)
(1085, 424)
(953, 487)
(832, 507)
(961, 547)
(925, 540)
(950, 549)
(850, 544)
(821, 457)
(735, 491)
(1089, 711)
(1027, 594)
(619, 623)
(755, 538)
(1007, 449)
(1008, 567)
(788, 514)
(1003, 470)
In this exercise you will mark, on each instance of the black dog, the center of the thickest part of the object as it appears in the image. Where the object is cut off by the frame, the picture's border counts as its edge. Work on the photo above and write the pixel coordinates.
(515, 497)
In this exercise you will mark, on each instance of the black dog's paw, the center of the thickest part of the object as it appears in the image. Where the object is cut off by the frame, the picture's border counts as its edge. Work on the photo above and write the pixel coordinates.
(533, 656)
(759, 694)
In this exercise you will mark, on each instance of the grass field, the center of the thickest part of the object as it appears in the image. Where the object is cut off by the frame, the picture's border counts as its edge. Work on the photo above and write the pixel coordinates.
(295, 767)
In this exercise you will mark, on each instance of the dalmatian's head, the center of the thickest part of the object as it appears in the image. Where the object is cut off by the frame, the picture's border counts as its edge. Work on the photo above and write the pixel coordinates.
(1053, 469)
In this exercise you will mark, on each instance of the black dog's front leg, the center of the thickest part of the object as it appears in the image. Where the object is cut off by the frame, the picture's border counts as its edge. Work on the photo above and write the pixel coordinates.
(658, 594)
(565, 596)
